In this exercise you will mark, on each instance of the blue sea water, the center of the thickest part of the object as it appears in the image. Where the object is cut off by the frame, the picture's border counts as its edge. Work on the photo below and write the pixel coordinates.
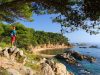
(87, 67)
(94, 68)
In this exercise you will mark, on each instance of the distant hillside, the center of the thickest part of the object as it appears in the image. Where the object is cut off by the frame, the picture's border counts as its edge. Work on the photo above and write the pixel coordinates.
(28, 36)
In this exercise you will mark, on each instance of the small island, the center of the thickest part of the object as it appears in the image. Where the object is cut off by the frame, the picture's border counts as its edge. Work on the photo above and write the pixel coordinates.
(93, 46)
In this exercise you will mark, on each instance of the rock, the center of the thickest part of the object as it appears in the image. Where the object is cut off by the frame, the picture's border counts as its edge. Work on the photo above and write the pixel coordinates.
(13, 71)
(14, 54)
(59, 56)
(71, 57)
(21, 53)
(5, 53)
(91, 59)
(43, 60)
(93, 46)
(27, 71)
(49, 67)
(16, 50)
(68, 58)
(0, 48)
(60, 69)
(78, 56)
(46, 69)
(51, 63)
(71, 60)
(11, 49)
(71, 73)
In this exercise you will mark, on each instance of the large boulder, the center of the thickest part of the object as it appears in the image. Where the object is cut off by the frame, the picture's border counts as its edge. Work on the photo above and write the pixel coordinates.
(67, 57)
(5, 52)
(60, 69)
(77, 56)
(14, 54)
(49, 67)
(46, 69)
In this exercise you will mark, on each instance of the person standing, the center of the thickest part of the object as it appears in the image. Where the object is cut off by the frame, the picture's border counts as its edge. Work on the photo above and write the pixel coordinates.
(13, 36)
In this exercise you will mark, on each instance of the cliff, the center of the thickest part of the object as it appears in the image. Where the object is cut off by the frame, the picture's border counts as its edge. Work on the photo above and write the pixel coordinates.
(48, 47)
(14, 61)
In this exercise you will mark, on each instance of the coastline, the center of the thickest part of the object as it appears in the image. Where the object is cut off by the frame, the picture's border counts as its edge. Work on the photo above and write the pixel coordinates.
(49, 48)
(38, 50)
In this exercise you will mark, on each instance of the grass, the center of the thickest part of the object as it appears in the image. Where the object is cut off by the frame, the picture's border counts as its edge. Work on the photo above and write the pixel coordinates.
(3, 71)
(30, 55)
(32, 60)
(34, 66)
(3, 45)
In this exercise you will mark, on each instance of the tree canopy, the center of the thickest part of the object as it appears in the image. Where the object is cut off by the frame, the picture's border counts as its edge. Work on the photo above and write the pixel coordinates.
(72, 14)
(28, 36)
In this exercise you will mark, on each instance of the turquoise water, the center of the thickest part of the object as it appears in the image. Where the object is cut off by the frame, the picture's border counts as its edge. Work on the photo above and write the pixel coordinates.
(93, 68)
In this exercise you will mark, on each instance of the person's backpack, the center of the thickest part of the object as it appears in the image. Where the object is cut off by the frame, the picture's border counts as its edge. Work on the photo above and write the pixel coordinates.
(13, 33)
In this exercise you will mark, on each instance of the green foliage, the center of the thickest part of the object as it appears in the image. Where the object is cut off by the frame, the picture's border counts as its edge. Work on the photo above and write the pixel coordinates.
(33, 66)
(31, 57)
(3, 44)
(71, 18)
(28, 36)
(3, 71)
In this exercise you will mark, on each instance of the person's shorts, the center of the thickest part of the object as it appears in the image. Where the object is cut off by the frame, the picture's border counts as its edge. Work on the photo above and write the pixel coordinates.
(13, 38)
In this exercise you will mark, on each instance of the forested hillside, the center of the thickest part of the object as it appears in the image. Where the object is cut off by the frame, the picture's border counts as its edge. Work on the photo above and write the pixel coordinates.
(28, 36)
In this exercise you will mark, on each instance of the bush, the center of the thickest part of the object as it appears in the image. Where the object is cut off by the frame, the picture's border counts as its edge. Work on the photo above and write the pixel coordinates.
(28, 36)
(3, 71)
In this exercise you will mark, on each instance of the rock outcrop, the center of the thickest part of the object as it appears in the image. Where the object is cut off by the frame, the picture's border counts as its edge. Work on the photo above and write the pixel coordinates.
(13, 54)
(11, 62)
(71, 57)
(50, 67)
(12, 59)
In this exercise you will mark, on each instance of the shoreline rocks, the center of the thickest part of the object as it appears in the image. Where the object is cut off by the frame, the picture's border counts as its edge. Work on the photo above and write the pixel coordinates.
(13, 54)
(72, 57)
(49, 67)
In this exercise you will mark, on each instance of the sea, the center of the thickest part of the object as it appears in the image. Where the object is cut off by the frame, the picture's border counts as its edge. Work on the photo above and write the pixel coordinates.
(86, 67)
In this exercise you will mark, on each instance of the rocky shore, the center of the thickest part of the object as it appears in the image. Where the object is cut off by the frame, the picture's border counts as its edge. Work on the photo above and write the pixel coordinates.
(72, 57)
(50, 67)
(13, 60)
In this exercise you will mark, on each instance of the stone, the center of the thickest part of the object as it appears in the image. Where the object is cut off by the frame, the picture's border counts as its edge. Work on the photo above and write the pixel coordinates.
(13, 71)
(43, 60)
(60, 69)
(78, 56)
(16, 50)
(5, 53)
(46, 69)
(11, 50)
(91, 59)
(21, 53)
(27, 71)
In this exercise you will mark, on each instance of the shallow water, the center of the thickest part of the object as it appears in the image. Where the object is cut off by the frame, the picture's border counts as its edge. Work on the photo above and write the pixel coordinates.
(93, 68)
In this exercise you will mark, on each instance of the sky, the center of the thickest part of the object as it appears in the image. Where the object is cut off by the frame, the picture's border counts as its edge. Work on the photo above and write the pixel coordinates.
(44, 23)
